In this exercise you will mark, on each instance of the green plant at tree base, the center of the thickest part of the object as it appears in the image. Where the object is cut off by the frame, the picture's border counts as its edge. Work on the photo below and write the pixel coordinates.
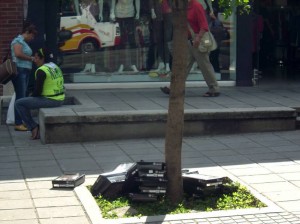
(231, 195)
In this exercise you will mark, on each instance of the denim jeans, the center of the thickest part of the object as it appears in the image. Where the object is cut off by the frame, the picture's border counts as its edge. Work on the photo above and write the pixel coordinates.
(25, 105)
(20, 83)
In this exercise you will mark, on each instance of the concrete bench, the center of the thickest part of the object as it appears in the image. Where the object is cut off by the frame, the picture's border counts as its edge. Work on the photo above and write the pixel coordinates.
(81, 124)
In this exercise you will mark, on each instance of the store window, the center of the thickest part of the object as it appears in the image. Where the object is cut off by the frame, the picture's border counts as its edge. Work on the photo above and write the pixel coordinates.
(128, 41)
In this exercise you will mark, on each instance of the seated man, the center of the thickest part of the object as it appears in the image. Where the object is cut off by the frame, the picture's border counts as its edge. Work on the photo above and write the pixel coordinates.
(49, 90)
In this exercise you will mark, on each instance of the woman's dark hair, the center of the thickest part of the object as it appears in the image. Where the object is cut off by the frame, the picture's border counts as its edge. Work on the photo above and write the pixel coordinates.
(45, 54)
(29, 27)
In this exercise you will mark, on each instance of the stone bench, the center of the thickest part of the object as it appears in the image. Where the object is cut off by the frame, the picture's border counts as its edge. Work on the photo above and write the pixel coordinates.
(80, 123)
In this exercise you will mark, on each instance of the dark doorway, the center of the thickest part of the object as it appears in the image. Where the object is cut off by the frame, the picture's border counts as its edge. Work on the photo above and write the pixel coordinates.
(278, 44)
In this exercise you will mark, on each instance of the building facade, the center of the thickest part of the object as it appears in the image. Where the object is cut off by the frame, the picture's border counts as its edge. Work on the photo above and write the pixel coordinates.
(108, 41)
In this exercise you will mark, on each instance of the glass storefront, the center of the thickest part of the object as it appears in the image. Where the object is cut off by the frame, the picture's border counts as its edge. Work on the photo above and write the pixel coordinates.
(113, 41)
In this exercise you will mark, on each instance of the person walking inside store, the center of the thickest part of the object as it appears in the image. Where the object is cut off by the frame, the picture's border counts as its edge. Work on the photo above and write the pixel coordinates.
(22, 55)
(197, 21)
(48, 92)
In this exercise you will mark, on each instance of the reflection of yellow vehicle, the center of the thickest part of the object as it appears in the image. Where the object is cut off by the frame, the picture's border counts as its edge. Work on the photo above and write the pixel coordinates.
(88, 35)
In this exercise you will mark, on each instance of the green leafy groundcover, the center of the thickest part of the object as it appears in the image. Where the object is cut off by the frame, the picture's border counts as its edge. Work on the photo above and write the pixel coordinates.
(231, 195)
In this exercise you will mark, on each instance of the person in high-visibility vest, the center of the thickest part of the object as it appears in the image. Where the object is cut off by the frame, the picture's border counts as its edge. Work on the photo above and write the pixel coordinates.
(49, 90)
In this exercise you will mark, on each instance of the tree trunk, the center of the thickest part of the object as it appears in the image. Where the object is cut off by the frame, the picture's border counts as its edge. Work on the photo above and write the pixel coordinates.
(175, 121)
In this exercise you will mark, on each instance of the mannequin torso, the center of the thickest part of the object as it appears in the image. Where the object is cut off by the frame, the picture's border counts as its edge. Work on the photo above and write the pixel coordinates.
(125, 9)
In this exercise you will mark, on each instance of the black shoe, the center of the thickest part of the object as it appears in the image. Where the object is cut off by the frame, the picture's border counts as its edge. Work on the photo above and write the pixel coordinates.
(209, 94)
(165, 90)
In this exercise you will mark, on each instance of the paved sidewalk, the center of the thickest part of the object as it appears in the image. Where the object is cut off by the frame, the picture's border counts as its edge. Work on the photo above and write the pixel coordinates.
(267, 162)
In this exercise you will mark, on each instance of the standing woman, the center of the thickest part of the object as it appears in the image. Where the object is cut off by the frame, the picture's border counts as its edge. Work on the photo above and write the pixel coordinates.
(48, 91)
(22, 55)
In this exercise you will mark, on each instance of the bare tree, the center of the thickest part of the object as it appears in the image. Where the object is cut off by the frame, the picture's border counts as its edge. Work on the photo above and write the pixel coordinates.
(175, 120)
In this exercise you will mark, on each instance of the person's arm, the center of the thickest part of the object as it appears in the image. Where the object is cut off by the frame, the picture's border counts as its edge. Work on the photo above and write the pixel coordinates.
(151, 7)
(202, 23)
(100, 3)
(18, 50)
(137, 7)
(39, 83)
(112, 10)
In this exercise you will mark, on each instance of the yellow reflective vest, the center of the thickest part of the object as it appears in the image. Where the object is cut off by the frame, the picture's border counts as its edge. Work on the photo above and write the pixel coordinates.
(53, 87)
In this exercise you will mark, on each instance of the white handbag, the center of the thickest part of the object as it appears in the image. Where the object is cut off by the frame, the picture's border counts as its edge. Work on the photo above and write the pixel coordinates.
(10, 118)
(207, 42)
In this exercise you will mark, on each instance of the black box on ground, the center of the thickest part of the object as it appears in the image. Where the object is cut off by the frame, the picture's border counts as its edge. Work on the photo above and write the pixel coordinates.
(143, 197)
(153, 190)
(201, 185)
(68, 180)
(150, 165)
(152, 173)
(151, 181)
(117, 182)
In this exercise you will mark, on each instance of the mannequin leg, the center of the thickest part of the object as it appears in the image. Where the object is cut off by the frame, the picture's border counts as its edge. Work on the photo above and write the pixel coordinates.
(167, 38)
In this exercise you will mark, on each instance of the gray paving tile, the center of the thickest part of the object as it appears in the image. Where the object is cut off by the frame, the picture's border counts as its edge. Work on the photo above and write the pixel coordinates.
(17, 214)
(290, 205)
(13, 186)
(51, 193)
(39, 184)
(13, 195)
(60, 212)
(42, 173)
(38, 163)
(290, 176)
(9, 158)
(29, 221)
(261, 157)
(36, 157)
(61, 201)
(74, 220)
(77, 164)
(107, 153)
(256, 178)
(233, 159)
(118, 159)
(270, 187)
(16, 204)
(10, 171)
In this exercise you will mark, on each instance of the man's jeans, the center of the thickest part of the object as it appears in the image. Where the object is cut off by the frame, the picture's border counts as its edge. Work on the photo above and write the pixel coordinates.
(25, 105)
(20, 83)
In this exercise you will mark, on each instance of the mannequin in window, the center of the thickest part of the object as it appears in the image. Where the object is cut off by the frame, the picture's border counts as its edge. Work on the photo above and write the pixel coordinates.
(91, 13)
(162, 31)
(125, 12)
(93, 4)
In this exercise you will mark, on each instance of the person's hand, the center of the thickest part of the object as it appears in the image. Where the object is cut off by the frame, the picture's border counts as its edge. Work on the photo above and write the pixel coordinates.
(100, 18)
(212, 16)
(153, 15)
(137, 16)
(196, 41)
(112, 17)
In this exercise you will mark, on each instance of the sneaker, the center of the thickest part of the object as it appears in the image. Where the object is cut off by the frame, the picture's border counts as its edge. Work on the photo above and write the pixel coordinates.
(20, 128)
(165, 90)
